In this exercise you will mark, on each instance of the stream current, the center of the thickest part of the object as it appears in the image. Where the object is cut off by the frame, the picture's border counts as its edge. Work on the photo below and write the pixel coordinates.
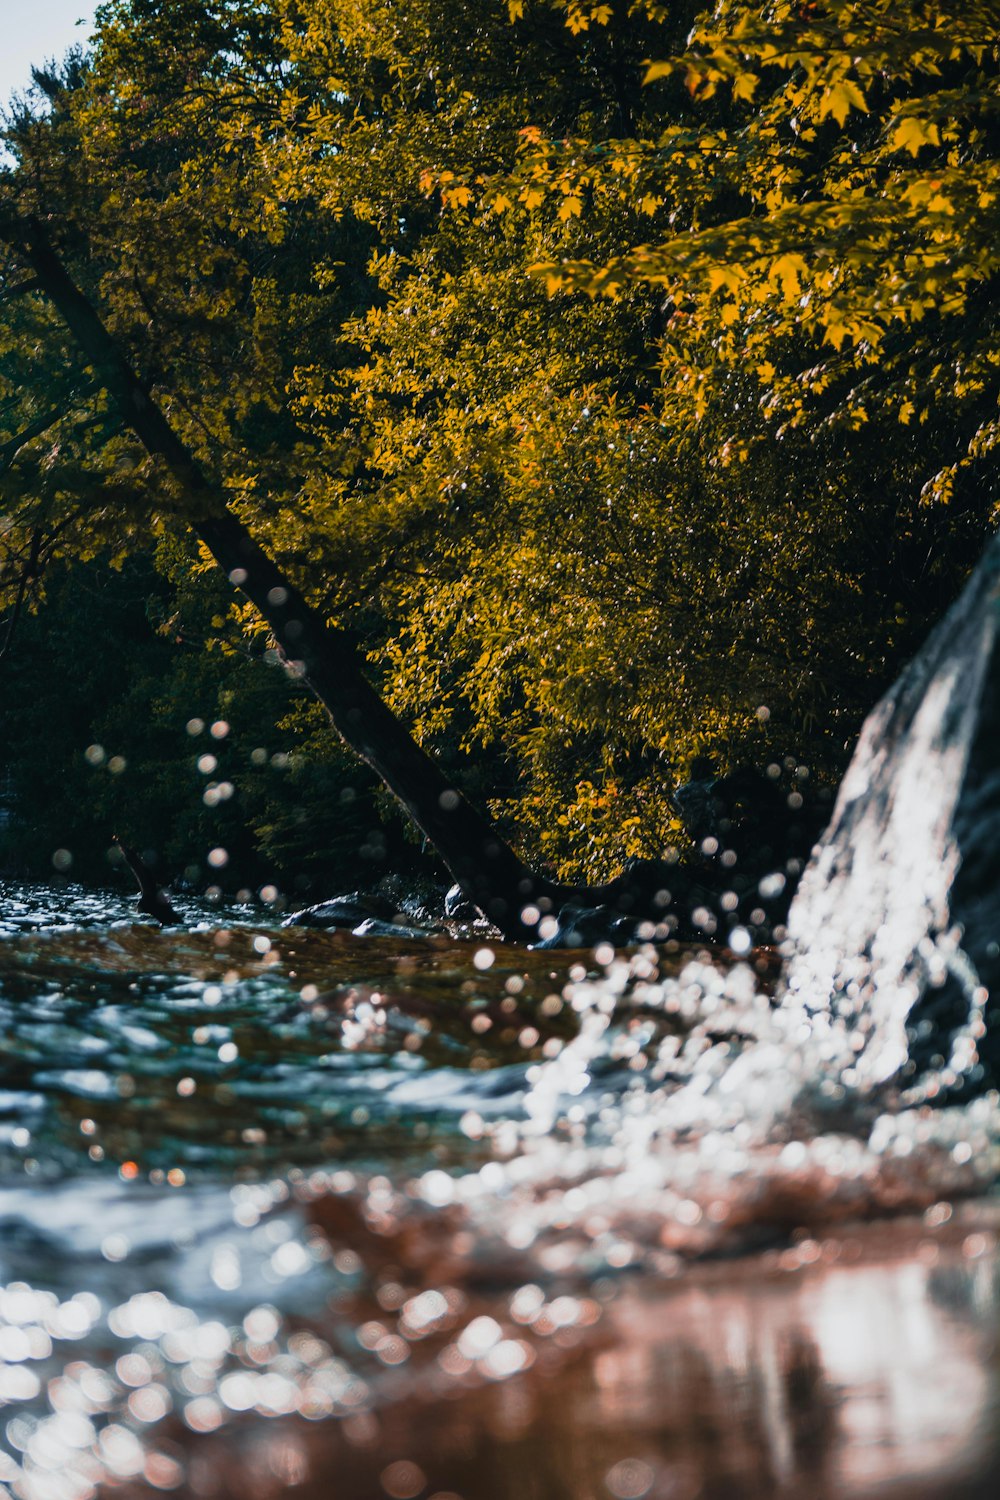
(291, 1211)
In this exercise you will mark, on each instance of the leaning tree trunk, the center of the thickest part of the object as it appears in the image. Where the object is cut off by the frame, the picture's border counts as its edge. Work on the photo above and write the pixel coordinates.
(492, 876)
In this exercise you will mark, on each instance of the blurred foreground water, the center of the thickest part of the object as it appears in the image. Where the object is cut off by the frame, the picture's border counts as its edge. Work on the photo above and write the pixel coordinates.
(297, 1212)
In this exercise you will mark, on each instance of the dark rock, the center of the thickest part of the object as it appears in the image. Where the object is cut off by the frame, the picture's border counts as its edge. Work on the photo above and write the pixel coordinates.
(744, 810)
(376, 927)
(458, 908)
(896, 925)
(583, 926)
(698, 809)
(421, 900)
(344, 911)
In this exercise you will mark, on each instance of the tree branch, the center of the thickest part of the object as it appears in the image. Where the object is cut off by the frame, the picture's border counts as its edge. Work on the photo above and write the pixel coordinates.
(27, 575)
(21, 289)
(488, 870)
(10, 450)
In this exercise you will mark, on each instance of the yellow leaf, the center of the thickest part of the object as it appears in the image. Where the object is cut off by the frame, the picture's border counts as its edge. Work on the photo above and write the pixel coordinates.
(730, 313)
(787, 269)
(570, 208)
(500, 204)
(650, 203)
(515, 9)
(839, 99)
(532, 197)
(723, 276)
(906, 412)
(658, 70)
(911, 134)
(766, 371)
(744, 86)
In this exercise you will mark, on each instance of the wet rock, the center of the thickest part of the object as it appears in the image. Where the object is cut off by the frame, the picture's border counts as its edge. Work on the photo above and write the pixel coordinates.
(583, 926)
(457, 906)
(895, 929)
(346, 912)
(420, 900)
(376, 927)
(698, 808)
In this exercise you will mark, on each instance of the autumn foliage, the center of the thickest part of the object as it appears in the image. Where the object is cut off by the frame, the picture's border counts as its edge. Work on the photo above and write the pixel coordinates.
(622, 378)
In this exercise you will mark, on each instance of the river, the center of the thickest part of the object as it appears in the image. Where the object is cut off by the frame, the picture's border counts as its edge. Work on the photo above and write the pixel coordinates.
(296, 1212)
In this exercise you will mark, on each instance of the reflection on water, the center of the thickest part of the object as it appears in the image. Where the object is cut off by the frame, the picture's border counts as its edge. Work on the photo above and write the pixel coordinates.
(296, 1211)
(859, 1374)
(828, 1368)
(829, 1380)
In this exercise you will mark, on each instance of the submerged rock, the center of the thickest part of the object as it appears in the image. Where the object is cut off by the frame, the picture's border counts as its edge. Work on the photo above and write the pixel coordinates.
(895, 928)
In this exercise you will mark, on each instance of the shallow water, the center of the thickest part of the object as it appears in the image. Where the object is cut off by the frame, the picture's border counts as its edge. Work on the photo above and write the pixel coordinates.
(294, 1210)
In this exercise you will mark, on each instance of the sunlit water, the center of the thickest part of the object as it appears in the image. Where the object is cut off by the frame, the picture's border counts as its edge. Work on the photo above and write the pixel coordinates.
(285, 1209)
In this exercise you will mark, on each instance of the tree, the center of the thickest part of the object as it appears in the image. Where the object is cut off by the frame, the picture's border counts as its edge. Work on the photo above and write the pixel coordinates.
(487, 869)
(46, 187)
(851, 199)
(828, 213)
(574, 542)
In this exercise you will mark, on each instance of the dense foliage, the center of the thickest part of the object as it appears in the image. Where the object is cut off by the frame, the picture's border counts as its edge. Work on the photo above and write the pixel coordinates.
(623, 380)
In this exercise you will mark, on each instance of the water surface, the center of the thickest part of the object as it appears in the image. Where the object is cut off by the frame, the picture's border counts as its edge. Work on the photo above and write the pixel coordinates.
(294, 1210)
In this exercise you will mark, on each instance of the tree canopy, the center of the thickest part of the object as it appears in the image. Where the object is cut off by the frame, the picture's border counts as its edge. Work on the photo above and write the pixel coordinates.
(620, 379)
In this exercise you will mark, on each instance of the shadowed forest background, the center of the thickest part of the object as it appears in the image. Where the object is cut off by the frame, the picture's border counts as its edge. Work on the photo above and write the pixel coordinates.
(622, 378)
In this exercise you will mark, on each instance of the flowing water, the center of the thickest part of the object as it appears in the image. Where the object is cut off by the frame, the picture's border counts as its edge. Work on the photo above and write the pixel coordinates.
(298, 1212)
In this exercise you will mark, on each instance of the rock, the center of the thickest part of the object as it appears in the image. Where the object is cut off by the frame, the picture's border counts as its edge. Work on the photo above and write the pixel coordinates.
(458, 907)
(583, 926)
(895, 929)
(367, 914)
(745, 811)
(421, 900)
(344, 911)
(375, 927)
(698, 809)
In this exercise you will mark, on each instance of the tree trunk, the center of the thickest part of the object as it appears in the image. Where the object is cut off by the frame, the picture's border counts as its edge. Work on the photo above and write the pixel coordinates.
(491, 875)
